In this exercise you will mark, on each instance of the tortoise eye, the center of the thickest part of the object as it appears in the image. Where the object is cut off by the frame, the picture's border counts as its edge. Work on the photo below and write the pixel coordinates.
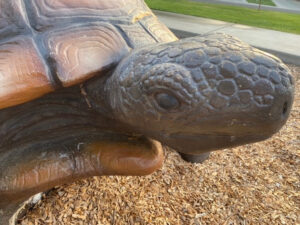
(167, 101)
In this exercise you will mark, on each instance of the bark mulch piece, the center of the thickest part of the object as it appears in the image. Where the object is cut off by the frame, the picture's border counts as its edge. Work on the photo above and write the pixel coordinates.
(252, 184)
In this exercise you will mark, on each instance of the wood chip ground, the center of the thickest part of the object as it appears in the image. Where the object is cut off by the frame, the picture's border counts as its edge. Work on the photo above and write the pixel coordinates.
(252, 184)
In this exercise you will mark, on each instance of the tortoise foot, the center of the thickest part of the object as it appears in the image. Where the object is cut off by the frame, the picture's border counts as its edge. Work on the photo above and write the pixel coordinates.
(195, 158)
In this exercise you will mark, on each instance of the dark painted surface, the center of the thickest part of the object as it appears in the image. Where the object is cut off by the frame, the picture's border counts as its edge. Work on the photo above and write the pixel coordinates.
(111, 105)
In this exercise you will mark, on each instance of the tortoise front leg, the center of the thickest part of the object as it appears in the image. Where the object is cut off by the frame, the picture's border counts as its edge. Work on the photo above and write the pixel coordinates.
(33, 170)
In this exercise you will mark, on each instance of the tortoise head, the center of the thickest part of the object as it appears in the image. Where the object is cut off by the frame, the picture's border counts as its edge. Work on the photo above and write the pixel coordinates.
(202, 93)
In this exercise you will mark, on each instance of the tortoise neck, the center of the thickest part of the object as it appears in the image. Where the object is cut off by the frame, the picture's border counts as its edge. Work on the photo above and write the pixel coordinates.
(95, 93)
(69, 111)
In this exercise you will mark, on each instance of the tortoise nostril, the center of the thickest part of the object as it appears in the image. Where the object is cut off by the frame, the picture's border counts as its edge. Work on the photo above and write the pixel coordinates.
(285, 108)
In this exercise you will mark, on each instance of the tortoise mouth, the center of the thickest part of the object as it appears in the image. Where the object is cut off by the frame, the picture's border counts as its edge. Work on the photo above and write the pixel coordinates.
(195, 144)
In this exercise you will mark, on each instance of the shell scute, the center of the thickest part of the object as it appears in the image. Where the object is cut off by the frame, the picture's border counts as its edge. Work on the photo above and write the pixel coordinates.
(23, 75)
(158, 30)
(11, 20)
(44, 14)
(81, 51)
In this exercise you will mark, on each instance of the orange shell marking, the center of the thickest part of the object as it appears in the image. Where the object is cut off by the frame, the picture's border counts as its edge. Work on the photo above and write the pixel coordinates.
(23, 76)
(83, 51)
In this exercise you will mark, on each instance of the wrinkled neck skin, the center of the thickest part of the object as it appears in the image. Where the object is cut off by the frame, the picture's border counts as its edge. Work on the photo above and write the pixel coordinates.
(65, 114)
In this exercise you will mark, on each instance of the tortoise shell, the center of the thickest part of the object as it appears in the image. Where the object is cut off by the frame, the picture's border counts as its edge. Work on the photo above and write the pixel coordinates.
(49, 44)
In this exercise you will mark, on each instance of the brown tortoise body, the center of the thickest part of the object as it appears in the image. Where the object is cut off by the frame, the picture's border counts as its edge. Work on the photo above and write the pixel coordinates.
(90, 88)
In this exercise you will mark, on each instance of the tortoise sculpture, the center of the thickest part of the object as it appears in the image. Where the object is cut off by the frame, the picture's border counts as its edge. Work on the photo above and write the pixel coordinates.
(92, 87)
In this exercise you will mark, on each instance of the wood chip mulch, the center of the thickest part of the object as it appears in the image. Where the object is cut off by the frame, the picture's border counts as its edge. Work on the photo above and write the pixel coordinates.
(252, 184)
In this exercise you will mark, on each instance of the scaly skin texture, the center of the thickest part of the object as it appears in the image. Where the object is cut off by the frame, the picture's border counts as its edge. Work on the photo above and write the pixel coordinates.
(202, 88)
